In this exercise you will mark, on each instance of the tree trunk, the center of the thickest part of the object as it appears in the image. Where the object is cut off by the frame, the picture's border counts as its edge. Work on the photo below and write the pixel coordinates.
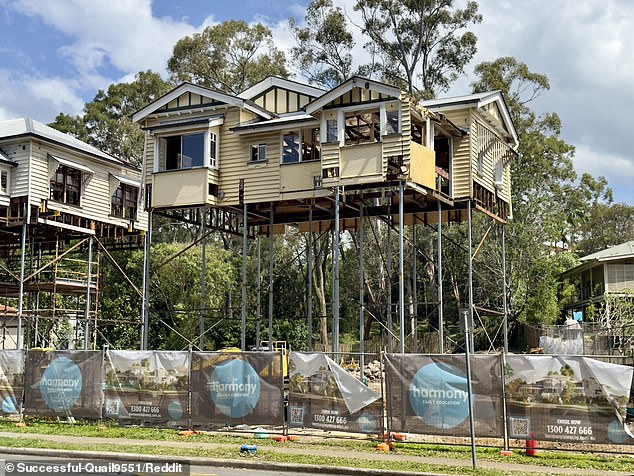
(320, 256)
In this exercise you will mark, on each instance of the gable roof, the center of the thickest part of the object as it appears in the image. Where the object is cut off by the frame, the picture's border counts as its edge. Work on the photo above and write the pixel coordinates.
(624, 250)
(354, 82)
(202, 91)
(477, 100)
(14, 128)
(277, 82)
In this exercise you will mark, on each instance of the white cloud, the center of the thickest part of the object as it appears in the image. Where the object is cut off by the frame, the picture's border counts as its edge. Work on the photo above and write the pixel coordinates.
(120, 32)
(39, 98)
(617, 169)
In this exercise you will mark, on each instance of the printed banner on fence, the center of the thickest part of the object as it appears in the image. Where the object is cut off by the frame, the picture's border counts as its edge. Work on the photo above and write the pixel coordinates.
(11, 381)
(232, 388)
(428, 394)
(65, 383)
(323, 395)
(147, 386)
(568, 399)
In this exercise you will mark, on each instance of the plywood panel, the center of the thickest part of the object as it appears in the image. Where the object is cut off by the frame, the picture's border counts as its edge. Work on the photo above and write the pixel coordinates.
(423, 166)
(296, 177)
(361, 160)
(180, 188)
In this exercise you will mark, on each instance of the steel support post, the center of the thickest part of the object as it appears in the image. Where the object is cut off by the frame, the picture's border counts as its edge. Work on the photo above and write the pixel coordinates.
(470, 275)
(258, 305)
(146, 283)
(203, 283)
(441, 320)
(335, 294)
(469, 341)
(88, 285)
(504, 291)
(18, 338)
(414, 289)
(243, 343)
(401, 273)
(390, 330)
(271, 258)
(309, 297)
(361, 294)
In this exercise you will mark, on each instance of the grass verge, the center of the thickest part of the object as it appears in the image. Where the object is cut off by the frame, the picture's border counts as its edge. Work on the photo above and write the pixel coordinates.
(352, 453)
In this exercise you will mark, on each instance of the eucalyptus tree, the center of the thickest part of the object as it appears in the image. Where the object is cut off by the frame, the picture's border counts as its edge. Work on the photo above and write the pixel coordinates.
(550, 201)
(324, 45)
(229, 57)
(422, 42)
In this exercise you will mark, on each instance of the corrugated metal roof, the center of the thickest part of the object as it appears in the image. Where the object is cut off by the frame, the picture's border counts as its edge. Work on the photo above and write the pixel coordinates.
(624, 250)
(467, 98)
(28, 126)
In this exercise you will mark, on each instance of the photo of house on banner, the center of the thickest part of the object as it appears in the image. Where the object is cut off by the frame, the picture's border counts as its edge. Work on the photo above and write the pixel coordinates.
(567, 399)
(149, 387)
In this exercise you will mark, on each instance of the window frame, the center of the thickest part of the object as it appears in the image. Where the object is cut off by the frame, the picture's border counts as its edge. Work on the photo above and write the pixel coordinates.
(67, 190)
(305, 149)
(373, 127)
(128, 208)
(6, 189)
(258, 153)
(213, 149)
(210, 155)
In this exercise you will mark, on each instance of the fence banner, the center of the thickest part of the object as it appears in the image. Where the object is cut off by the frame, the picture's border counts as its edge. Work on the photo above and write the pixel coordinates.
(66, 383)
(323, 395)
(428, 394)
(568, 399)
(233, 388)
(147, 386)
(11, 381)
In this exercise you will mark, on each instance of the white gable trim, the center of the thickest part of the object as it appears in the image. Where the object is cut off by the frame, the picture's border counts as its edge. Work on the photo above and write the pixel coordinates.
(192, 88)
(475, 101)
(274, 81)
(355, 82)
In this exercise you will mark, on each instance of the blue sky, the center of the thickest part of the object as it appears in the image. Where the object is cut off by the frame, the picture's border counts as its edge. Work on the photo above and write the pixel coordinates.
(56, 54)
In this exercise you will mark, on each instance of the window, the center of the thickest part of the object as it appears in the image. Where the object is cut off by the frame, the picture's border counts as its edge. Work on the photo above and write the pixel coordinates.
(301, 147)
(499, 171)
(290, 148)
(181, 152)
(419, 133)
(331, 130)
(311, 145)
(391, 126)
(66, 185)
(213, 149)
(362, 128)
(4, 182)
(124, 201)
(258, 152)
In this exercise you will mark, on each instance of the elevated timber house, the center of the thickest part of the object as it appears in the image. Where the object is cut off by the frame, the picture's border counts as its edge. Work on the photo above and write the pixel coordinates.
(285, 147)
(283, 153)
(57, 195)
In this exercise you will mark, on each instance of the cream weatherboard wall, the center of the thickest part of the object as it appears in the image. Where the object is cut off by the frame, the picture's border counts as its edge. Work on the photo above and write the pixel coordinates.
(461, 161)
(97, 188)
(18, 152)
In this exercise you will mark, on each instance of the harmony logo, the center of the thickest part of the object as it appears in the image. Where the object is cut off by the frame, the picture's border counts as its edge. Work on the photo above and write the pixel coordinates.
(431, 395)
(438, 395)
(61, 384)
(235, 388)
